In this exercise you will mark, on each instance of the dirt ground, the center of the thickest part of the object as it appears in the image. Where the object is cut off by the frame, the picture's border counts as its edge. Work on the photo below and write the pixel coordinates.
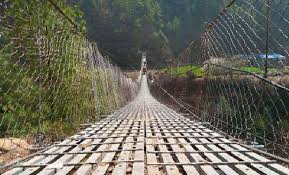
(12, 149)
(132, 74)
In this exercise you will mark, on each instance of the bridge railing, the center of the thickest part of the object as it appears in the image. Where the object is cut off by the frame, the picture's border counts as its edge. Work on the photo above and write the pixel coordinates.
(52, 78)
(243, 87)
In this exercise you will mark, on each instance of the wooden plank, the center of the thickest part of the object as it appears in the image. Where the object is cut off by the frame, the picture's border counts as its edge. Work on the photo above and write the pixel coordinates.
(29, 162)
(138, 167)
(280, 168)
(268, 169)
(94, 158)
(103, 166)
(58, 164)
(226, 169)
(189, 169)
(76, 158)
(226, 156)
(197, 157)
(244, 168)
(206, 168)
(152, 158)
(167, 158)
(42, 159)
(260, 167)
(120, 168)
(209, 170)
(13, 171)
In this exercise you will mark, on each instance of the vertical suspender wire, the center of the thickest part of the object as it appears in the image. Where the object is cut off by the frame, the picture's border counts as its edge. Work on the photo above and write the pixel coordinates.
(268, 21)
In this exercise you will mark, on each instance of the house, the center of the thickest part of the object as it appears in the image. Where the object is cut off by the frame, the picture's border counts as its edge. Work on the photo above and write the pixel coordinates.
(259, 59)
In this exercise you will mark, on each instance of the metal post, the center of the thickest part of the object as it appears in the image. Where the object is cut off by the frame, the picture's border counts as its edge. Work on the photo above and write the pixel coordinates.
(267, 37)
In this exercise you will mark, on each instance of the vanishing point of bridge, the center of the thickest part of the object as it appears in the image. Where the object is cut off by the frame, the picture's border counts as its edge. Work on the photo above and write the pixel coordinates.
(146, 137)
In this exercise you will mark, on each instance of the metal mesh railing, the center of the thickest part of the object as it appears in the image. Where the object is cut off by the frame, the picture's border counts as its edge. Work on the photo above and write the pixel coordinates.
(243, 89)
(52, 78)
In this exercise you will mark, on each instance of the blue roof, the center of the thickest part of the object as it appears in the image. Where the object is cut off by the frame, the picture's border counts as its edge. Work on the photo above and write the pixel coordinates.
(273, 56)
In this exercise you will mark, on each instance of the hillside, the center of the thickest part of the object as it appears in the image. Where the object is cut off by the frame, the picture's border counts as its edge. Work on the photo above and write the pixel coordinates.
(162, 28)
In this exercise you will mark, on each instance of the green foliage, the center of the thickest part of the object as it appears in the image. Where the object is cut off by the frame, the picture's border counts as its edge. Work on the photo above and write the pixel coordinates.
(256, 70)
(183, 71)
(185, 20)
(45, 83)
(271, 71)
(163, 28)
(125, 27)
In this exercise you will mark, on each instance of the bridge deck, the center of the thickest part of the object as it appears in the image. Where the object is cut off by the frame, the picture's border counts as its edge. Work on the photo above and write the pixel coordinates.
(146, 137)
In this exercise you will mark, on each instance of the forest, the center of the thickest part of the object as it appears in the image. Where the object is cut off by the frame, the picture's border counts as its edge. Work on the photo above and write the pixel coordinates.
(162, 28)
(52, 78)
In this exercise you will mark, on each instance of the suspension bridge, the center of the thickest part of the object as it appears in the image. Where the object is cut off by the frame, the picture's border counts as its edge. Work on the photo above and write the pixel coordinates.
(146, 137)
(229, 91)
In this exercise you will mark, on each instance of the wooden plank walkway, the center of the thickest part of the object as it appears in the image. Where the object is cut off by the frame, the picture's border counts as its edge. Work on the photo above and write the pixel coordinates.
(146, 137)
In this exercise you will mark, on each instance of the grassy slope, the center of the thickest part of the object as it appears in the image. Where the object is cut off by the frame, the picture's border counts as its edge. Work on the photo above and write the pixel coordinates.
(182, 71)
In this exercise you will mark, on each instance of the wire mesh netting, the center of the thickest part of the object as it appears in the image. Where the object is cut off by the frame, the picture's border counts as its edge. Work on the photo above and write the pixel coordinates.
(52, 78)
(243, 55)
